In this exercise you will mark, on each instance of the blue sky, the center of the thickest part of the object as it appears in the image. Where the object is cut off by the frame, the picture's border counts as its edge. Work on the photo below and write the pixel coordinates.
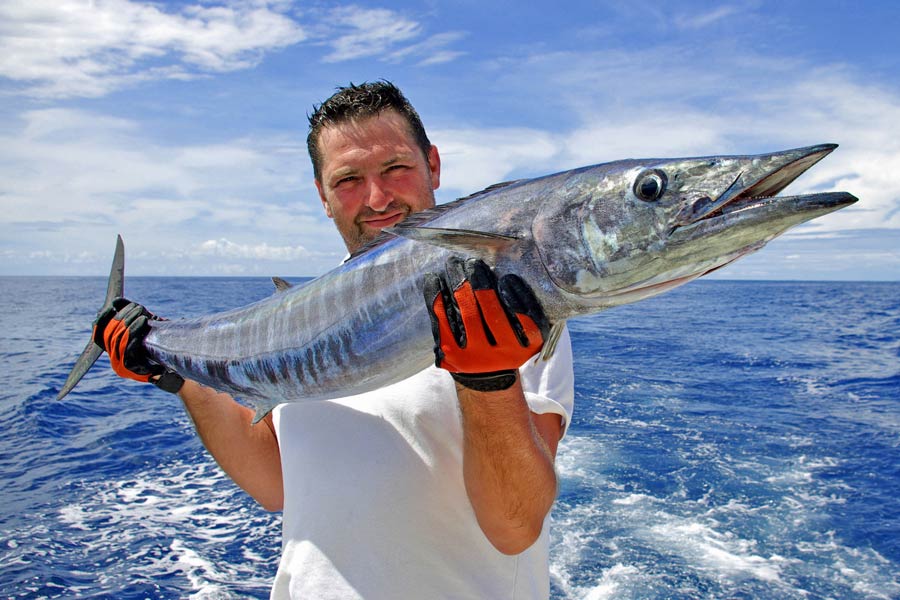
(182, 125)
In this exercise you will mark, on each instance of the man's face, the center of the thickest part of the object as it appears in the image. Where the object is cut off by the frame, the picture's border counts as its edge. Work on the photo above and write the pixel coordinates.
(374, 175)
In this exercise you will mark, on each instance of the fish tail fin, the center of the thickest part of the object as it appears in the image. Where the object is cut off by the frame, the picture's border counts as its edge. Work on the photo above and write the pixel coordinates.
(114, 289)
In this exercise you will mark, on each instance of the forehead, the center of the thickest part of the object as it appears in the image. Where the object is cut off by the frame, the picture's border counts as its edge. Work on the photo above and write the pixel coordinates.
(386, 131)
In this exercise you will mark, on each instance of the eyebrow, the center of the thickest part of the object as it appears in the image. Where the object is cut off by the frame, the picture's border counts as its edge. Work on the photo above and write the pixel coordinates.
(342, 172)
(397, 158)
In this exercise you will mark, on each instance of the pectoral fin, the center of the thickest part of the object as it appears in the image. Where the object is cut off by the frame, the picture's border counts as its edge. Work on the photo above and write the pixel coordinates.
(476, 243)
(550, 343)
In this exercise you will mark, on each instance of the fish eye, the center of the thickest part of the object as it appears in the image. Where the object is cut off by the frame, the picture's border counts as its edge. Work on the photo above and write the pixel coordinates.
(650, 185)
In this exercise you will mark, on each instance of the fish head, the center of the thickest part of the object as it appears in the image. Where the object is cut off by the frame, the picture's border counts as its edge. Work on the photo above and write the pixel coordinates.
(628, 230)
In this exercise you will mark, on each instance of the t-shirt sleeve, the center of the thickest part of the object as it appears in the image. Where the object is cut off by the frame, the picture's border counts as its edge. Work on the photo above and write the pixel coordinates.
(550, 385)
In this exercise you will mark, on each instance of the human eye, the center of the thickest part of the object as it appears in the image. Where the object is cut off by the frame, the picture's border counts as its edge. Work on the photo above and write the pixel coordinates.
(397, 168)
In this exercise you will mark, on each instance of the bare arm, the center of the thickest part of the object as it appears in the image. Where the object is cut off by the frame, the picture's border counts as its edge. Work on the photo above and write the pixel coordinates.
(508, 465)
(247, 453)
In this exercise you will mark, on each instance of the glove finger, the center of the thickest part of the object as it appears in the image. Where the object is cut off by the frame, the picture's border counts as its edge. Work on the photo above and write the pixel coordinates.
(446, 326)
(502, 322)
(533, 332)
(103, 320)
(137, 326)
(480, 275)
(432, 290)
(135, 356)
(129, 313)
(503, 327)
(112, 339)
(455, 272)
(120, 303)
(118, 340)
(475, 330)
(136, 332)
(517, 296)
(454, 275)
(116, 331)
(444, 340)
(100, 324)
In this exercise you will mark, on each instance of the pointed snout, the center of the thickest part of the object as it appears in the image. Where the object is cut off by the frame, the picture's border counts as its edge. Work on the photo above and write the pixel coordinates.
(765, 175)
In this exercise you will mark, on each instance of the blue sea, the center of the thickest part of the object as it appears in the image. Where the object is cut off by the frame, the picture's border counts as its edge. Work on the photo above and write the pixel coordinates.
(730, 440)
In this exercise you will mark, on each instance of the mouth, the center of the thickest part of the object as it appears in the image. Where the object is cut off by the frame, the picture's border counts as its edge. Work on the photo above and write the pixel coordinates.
(381, 221)
(755, 188)
(775, 181)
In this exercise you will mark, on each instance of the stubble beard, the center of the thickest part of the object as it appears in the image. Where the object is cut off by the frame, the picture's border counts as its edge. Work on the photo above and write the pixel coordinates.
(359, 235)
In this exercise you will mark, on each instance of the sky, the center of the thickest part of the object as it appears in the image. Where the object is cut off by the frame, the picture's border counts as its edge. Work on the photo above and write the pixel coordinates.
(182, 125)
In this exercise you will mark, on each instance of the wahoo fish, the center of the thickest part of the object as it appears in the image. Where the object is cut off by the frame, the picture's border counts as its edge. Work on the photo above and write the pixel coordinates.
(585, 240)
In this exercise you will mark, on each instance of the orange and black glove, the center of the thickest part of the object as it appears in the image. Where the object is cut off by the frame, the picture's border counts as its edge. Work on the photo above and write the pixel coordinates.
(120, 330)
(484, 328)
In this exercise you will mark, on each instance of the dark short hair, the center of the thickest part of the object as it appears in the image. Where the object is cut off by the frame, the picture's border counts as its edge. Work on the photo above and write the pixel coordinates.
(360, 101)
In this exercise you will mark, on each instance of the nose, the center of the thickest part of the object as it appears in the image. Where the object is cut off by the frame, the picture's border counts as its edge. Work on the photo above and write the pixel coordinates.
(379, 196)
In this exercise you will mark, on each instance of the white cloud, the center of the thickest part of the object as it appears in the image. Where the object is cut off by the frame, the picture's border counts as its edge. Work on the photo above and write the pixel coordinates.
(71, 180)
(431, 50)
(85, 159)
(440, 57)
(70, 48)
(705, 19)
(372, 32)
(355, 32)
(60, 48)
(472, 159)
(227, 249)
(606, 137)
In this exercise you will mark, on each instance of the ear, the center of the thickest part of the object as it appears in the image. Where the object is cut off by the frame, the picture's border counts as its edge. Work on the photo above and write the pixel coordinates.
(325, 204)
(434, 165)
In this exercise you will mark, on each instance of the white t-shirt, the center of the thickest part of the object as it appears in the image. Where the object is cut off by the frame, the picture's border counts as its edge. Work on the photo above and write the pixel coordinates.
(375, 504)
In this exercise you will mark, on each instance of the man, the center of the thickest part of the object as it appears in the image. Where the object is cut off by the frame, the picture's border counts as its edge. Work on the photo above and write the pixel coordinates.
(438, 486)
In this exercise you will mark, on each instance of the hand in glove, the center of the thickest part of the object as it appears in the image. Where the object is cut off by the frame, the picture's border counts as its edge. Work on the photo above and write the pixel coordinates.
(120, 330)
(484, 328)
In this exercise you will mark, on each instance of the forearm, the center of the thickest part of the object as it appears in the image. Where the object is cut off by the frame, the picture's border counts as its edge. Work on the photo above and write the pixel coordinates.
(247, 453)
(507, 466)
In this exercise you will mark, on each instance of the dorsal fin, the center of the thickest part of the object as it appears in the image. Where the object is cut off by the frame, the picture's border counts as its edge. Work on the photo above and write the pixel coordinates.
(281, 285)
(425, 216)
(493, 188)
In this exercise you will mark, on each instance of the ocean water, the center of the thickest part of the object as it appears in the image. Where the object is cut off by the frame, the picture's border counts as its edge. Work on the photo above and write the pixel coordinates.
(730, 440)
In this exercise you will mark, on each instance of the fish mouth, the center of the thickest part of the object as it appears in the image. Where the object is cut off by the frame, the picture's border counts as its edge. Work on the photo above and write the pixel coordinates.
(754, 192)
(770, 184)
(758, 181)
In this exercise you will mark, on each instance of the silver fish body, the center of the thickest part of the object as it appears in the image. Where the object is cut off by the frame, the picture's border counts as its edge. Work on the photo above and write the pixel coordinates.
(585, 240)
